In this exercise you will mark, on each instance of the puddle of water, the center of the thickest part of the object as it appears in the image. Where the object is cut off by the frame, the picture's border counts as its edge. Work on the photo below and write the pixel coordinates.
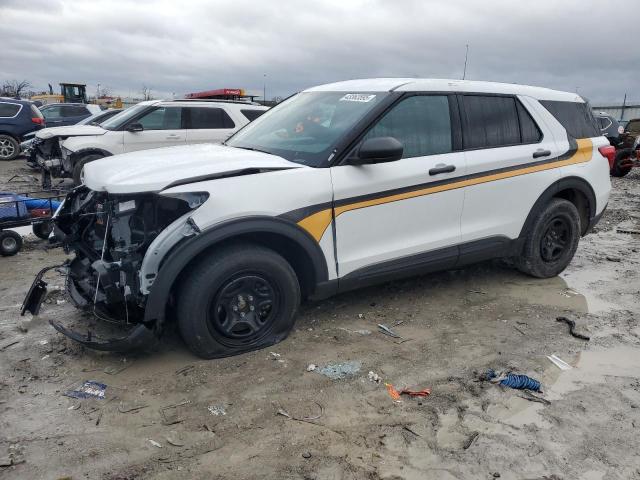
(592, 366)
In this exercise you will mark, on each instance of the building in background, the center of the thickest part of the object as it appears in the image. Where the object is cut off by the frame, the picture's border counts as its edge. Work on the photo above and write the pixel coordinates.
(623, 111)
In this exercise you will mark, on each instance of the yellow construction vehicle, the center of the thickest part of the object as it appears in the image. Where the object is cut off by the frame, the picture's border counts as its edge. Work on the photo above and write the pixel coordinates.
(74, 93)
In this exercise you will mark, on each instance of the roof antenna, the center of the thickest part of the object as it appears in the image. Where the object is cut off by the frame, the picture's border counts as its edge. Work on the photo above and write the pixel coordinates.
(464, 74)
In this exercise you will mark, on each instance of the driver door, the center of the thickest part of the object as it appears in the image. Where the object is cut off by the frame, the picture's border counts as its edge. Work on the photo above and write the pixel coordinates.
(162, 127)
(405, 213)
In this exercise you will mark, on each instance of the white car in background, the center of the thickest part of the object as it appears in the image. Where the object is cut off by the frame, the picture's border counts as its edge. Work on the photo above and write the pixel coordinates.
(63, 152)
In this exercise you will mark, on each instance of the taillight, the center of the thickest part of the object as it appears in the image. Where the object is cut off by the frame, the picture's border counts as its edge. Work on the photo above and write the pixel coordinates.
(38, 120)
(609, 152)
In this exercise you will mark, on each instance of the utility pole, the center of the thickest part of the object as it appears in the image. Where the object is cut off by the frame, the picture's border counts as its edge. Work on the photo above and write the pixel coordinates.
(466, 55)
(264, 86)
(624, 104)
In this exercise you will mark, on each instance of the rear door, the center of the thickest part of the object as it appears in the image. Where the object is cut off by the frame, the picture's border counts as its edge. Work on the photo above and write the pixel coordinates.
(208, 124)
(509, 156)
(162, 127)
(390, 216)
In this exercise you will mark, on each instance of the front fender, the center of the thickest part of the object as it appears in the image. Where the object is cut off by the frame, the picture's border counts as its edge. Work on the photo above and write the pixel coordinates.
(187, 249)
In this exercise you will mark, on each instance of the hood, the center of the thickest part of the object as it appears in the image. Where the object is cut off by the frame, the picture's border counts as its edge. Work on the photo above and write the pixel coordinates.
(70, 131)
(156, 169)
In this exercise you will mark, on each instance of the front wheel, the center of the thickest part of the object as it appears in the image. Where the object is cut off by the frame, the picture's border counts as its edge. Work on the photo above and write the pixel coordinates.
(237, 299)
(42, 230)
(552, 240)
(78, 168)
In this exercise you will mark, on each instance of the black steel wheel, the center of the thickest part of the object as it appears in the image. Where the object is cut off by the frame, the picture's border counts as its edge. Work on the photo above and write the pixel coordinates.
(237, 299)
(552, 240)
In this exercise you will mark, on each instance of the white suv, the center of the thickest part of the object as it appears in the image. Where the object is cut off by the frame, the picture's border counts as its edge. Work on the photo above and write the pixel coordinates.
(63, 151)
(341, 186)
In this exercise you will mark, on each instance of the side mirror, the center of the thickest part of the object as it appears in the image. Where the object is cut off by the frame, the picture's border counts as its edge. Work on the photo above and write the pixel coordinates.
(134, 127)
(378, 150)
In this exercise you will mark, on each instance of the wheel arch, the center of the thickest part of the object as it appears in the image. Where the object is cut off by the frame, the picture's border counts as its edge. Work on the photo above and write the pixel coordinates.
(574, 189)
(283, 236)
(83, 152)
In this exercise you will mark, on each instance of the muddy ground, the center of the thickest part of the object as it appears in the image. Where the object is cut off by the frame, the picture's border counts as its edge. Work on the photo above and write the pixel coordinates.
(454, 325)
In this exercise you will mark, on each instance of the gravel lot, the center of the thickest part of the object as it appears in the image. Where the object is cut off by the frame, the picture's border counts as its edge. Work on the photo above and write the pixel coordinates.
(169, 415)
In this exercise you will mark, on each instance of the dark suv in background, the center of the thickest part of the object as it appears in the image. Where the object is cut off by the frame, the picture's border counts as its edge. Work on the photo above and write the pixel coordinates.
(63, 114)
(17, 117)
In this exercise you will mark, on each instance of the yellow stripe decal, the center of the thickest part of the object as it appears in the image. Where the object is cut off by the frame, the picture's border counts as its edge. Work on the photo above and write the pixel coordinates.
(317, 223)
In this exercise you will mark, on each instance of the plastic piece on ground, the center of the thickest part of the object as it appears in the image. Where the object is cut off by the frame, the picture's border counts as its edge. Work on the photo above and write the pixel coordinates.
(337, 371)
(395, 394)
(512, 380)
(88, 389)
(558, 362)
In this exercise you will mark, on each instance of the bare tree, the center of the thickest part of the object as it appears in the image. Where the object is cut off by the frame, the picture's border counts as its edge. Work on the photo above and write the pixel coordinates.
(105, 91)
(146, 93)
(14, 88)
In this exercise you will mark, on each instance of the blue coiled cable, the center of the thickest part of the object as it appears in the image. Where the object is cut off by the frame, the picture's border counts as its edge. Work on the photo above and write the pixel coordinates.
(519, 382)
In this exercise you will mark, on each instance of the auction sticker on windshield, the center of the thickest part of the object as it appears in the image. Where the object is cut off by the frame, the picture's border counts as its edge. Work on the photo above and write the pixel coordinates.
(357, 97)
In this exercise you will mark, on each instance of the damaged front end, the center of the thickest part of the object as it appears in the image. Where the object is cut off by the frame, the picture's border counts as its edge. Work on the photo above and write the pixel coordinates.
(48, 155)
(109, 236)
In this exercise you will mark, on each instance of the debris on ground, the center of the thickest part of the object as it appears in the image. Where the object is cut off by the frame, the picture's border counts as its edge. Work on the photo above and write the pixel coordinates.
(170, 414)
(217, 410)
(472, 438)
(395, 394)
(185, 370)
(154, 443)
(374, 377)
(124, 407)
(534, 398)
(284, 413)
(336, 371)
(387, 331)
(558, 362)
(513, 380)
(89, 389)
(311, 367)
(174, 439)
(572, 326)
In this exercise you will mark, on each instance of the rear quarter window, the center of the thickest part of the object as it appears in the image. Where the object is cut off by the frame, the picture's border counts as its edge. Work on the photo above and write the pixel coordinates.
(9, 109)
(575, 117)
(251, 115)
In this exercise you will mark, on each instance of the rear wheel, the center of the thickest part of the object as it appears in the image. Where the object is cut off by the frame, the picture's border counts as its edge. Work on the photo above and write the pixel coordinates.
(10, 243)
(78, 168)
(42, 230)
(9, 147)
(237, 299)
(620, 167)
(552, 240)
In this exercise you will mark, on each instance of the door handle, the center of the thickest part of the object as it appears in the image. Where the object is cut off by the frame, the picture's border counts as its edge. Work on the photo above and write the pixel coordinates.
(173, 137)
(541, 153)
(442, 169)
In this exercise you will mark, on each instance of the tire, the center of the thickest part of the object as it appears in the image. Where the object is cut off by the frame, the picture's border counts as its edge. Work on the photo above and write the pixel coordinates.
(552, 240)
(623, 155)
(9, 147)
(42, 230)
(77, 173)
(218, 300)
(10, 243)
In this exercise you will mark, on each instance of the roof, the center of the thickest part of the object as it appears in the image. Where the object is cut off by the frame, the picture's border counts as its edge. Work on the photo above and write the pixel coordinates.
(445, 85)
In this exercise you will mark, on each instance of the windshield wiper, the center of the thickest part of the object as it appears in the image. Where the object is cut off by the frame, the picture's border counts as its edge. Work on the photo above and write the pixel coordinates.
(254, 150)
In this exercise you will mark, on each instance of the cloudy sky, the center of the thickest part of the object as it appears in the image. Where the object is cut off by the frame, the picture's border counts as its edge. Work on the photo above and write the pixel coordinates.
(185, 46)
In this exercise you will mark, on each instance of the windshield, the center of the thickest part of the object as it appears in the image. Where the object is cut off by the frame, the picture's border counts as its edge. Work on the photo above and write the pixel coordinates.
(118, 120)
(306, 128)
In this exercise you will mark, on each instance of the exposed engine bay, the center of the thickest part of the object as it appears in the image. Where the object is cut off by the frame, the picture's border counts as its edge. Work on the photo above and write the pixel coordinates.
(110, 235)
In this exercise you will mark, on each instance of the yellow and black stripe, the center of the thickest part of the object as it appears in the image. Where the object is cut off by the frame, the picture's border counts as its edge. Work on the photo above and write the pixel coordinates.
(315, 219)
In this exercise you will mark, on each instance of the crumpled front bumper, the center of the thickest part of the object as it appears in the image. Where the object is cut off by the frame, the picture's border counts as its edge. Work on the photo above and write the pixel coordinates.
(138, 337)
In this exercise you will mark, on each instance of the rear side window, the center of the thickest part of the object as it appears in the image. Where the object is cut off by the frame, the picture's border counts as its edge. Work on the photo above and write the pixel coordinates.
(9, 109)
(633, 127)
(421, 123)
(209, 118)
(490, 121)
(251, 115)
(576, 118)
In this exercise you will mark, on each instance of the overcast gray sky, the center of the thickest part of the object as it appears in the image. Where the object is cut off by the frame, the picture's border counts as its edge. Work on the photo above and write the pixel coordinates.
(185, 46)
